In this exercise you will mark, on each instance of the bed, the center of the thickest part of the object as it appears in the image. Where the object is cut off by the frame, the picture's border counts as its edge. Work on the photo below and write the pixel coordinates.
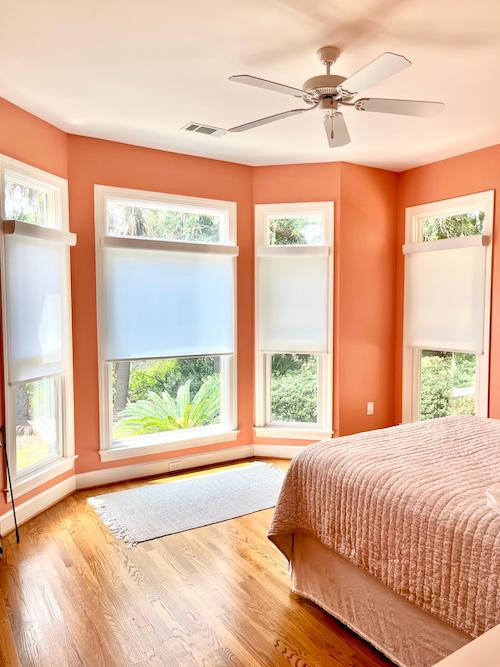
(391, 532)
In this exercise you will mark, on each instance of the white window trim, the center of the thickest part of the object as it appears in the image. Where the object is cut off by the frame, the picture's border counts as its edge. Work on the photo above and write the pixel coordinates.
(413, 242)
(299, 431)
(166, 443)
(58, 188)
(172, 440)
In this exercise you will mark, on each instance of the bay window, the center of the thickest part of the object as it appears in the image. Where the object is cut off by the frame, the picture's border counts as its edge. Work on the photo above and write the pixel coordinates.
(294, 320)
(166, 293)
(447, 307)
(36, 310)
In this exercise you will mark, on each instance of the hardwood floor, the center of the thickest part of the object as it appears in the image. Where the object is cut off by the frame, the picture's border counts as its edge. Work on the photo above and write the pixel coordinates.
(71, 594)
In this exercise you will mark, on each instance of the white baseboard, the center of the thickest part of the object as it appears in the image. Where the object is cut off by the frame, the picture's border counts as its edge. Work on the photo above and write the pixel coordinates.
(278, 451)
(52, 495)
(37, 504)
(86, 480)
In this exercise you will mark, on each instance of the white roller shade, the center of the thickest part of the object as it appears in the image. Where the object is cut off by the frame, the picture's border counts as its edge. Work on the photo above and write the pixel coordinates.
(36, 288)
(293, 298)
(446, 293)
(159, 303)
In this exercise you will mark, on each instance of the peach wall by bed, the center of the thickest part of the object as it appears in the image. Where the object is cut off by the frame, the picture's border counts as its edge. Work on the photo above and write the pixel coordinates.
(456, 176)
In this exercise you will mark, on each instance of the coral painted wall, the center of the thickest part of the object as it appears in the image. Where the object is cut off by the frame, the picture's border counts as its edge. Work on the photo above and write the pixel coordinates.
(364, 292)
(457, 176)
(92, 161)
(367, 284)
(29, 139)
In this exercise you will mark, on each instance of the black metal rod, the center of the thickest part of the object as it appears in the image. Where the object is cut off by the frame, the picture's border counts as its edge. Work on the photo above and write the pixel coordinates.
(4, 444)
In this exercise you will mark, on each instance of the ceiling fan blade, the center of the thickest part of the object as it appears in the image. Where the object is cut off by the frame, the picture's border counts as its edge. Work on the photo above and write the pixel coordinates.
(267, 119)
(336, 130)
(269, 85)
(379, 69)
(402, 107)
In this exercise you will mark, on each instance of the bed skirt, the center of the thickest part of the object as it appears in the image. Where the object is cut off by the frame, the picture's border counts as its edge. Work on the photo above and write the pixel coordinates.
(406, 634)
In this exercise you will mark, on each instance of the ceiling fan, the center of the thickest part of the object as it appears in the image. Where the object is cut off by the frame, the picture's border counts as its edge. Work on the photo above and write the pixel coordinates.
(329, 92)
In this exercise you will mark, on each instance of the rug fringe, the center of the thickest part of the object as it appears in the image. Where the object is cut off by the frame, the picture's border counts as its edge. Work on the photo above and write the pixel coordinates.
(114, 527)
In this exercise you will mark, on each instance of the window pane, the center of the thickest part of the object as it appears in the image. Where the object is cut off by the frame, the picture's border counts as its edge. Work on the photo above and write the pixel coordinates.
(294, 388)
(306, 230)
(453, 226)
(164, 222)
(37, 422)
(26, 204)
(160, 395)
(447, 384)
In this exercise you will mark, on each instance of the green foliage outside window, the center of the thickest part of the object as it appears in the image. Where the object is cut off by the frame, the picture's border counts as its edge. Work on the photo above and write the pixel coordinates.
(163, 224)
(25, 204)
(286, 231)
(294, 231)
(160, 413)
(453, 226)
(440, 374)
(145, 392)
(294, 388)
(168, 375)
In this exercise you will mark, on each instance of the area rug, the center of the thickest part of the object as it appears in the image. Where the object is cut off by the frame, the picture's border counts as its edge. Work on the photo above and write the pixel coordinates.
(172, 506)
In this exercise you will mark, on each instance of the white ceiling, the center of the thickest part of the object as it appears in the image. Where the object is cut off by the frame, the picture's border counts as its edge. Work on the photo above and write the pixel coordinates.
(136, 71)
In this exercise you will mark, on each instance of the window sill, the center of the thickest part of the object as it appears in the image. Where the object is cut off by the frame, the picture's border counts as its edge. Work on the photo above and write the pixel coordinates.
(41, 476)
(291, 433)
(162, 445)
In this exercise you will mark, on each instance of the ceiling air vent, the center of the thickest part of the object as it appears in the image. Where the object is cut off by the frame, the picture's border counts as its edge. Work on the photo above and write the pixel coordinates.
(204, 129)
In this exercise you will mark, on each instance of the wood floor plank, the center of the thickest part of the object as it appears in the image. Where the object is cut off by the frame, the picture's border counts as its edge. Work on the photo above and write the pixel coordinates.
(73, 595)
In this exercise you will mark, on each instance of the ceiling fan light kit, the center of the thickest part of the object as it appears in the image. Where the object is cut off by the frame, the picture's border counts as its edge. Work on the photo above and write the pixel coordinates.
(329, 91)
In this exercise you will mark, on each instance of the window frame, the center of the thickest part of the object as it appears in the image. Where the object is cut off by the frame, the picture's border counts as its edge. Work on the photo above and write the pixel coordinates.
(57, 213)
(414, 218)
(111, 450)
(264, 427)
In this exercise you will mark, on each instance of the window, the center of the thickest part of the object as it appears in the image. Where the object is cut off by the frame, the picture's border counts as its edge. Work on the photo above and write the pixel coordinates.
(447, 307)
(166, 293)
(36, 324)
(294, 319)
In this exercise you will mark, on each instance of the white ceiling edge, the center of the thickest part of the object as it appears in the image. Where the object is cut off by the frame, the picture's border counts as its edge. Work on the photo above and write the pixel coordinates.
(364, 163)
(209, 155)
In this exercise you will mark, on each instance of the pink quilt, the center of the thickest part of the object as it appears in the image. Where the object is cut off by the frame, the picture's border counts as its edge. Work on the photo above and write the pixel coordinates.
(409, 505)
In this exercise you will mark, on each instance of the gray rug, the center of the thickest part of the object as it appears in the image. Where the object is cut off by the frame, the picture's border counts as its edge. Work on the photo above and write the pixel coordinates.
(163, 508)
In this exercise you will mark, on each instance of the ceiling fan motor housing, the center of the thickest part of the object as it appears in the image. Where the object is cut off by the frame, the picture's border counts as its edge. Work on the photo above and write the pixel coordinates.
(324, 84)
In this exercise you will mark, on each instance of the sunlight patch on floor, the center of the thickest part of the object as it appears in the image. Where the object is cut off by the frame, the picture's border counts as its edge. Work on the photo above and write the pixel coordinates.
(199, 473)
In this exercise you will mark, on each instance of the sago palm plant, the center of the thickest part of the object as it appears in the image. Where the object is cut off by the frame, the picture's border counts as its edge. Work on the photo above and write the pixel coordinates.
(159, 413)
